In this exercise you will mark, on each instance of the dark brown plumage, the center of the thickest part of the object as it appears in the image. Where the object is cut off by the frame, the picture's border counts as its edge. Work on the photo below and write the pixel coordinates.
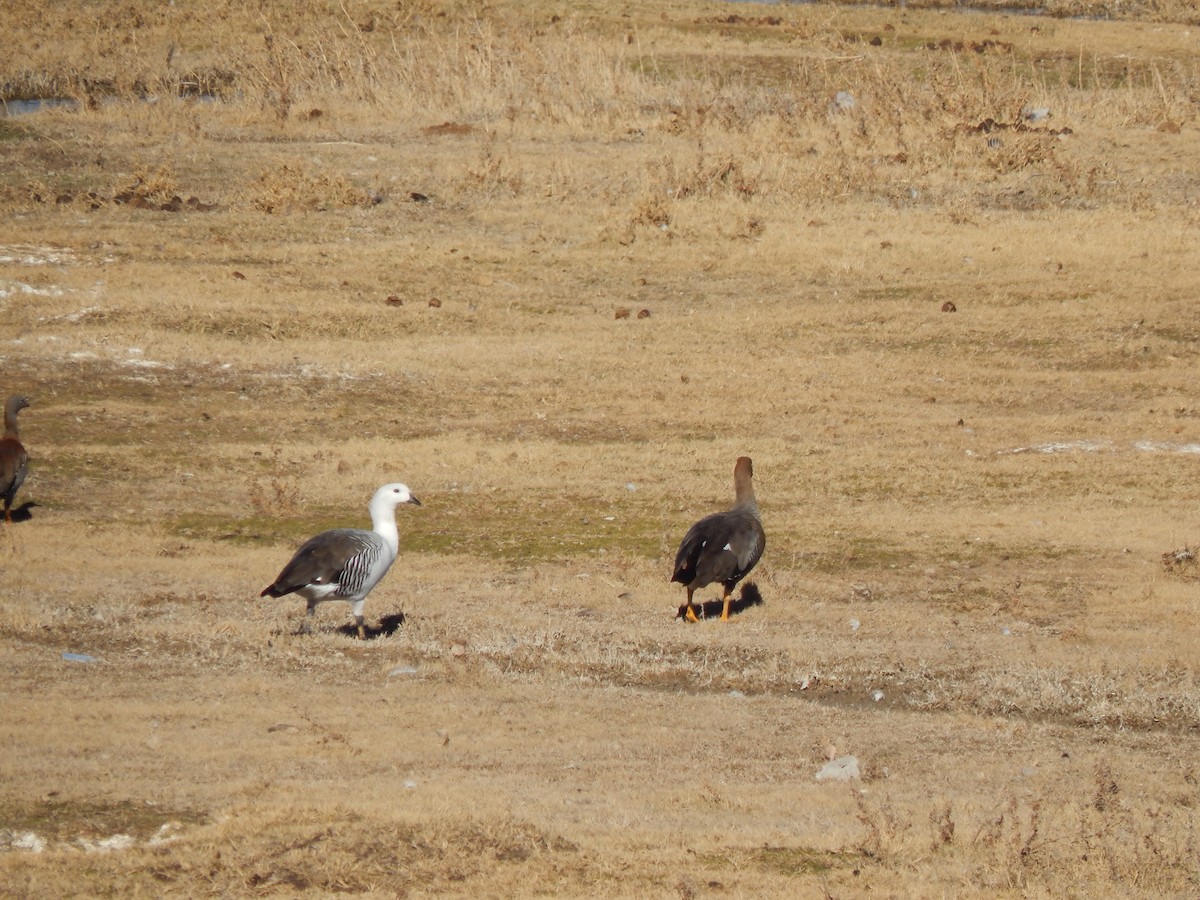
(14, 461)
(725, 546)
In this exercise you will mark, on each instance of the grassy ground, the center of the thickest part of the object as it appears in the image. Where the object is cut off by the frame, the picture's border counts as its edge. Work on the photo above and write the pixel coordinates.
(957, 336)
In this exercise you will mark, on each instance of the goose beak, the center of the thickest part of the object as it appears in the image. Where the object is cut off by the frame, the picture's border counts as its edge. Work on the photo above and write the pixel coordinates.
(414, 501)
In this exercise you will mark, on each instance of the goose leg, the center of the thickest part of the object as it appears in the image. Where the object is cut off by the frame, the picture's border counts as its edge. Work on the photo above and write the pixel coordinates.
(691, 613)
(725, 607)
(306, 625)
(362, 632)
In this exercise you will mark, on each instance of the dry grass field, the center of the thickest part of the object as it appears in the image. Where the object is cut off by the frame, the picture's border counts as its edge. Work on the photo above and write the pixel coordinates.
(935, 271)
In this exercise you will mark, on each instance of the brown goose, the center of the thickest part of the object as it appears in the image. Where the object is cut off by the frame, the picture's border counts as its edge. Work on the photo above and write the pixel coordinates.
(14, 461)
(725, 546)
(345, 563)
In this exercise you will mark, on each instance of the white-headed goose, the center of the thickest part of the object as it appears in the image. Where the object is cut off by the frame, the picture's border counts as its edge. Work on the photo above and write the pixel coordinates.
(345, 563)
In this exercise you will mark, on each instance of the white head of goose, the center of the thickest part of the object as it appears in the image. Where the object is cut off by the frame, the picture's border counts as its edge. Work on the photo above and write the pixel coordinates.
(14, 461)
(345, 563)
(725, 546)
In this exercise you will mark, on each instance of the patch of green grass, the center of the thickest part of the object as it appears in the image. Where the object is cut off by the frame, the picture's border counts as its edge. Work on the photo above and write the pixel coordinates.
(804, 860)
(257, 530)
(856, 553)
(516, 533)
(1178, 334)
(896, 292)
(793, 861)
(557, 529)
(68, 820)
(12, 132)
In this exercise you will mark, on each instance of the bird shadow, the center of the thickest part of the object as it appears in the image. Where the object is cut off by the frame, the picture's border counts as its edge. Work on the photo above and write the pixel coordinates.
(711, 609)
(388, 625)
(22, 513)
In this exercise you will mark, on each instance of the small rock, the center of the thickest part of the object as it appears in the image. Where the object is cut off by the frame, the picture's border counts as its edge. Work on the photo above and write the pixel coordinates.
(855, 624)
(843, 101)
(1035, 113)
(284, 727)
(844, 768)
(402, 670)
(876, 695)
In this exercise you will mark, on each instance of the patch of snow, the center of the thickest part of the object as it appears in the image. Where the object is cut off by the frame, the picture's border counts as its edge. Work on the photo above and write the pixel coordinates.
(1165, 447)
(24, 840)
(1103, 446)
(80, 314)
(164, 835)
(1060, 447)
(108, 844)
(20, 287)
(29, 255)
